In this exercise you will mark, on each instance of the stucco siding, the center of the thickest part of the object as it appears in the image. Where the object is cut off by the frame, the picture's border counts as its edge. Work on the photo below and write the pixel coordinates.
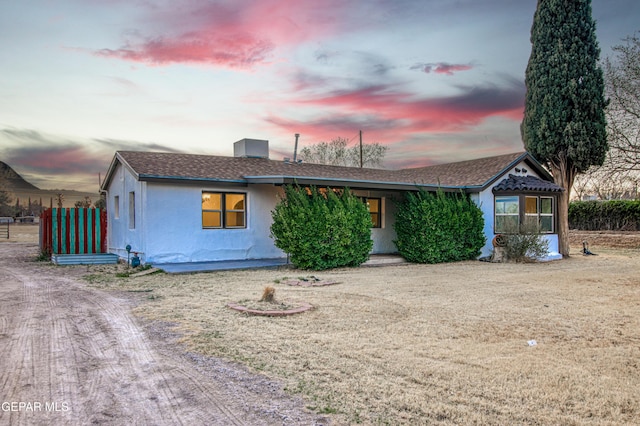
(121, 231)
(174, 230)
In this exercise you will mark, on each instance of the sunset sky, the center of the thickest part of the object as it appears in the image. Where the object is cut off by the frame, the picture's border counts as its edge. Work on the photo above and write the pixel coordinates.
(435, 80)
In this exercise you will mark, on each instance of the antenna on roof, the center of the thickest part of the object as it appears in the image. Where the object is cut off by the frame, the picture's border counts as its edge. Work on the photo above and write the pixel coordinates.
(295, 149)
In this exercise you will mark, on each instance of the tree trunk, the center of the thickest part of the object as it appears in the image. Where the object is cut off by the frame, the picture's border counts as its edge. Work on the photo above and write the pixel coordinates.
(563, 224)
(564, 176)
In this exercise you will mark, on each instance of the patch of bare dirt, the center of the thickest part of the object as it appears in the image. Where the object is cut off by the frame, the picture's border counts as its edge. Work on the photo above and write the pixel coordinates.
(73, 355)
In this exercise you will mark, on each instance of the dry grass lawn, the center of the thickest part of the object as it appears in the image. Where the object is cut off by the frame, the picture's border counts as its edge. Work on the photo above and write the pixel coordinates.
(424, 344)
(21, 233)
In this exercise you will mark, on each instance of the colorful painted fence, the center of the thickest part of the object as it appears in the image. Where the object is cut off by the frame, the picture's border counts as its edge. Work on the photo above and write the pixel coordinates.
(73, 231)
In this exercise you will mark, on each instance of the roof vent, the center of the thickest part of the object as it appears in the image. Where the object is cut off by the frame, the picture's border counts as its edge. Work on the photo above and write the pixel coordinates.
(251, 148)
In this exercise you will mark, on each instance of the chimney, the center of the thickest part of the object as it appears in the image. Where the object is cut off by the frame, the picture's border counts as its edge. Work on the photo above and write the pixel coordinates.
(251, 148)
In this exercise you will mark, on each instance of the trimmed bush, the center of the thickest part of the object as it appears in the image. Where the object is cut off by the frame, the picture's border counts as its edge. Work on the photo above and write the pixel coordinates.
(435, 228)
(525, 243)
(322, 229)
(614, 215)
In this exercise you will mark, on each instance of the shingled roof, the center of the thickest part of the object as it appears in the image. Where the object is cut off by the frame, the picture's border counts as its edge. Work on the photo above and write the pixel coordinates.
(148, 165)
(156, 166)
(478, 172)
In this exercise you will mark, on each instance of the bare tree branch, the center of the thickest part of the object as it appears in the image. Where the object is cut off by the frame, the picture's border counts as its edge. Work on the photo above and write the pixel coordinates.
(337, 153)
(622, 79)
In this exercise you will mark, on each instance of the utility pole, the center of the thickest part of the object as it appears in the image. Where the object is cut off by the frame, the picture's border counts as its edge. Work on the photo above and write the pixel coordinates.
(360, 148)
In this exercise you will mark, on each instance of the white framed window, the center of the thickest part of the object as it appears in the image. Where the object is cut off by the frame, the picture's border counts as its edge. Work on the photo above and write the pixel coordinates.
(507, 214)
(547, 209)
(512, 210)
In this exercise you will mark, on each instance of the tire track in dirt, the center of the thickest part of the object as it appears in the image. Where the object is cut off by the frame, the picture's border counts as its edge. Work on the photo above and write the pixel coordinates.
(80, 354)
(83, 352)
(32, 375)
(118, 366)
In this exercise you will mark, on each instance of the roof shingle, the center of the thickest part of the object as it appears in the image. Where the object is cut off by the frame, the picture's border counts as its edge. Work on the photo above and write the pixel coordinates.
(176, 166)
(464, 173)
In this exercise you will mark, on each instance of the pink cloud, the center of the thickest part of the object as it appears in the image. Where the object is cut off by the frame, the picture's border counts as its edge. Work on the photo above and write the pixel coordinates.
(442, 68)
(426, 114)
(394, 115)
(55, 160)
(234, 51)
(238, 34)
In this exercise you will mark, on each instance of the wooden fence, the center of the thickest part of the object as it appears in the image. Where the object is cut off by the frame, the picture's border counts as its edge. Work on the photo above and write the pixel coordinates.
(73, 231)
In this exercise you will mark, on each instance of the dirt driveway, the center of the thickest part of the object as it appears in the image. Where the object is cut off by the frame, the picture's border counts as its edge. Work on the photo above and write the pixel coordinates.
(72, 355)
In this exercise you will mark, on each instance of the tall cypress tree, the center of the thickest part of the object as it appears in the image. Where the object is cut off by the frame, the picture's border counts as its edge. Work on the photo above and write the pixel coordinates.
(564, 123)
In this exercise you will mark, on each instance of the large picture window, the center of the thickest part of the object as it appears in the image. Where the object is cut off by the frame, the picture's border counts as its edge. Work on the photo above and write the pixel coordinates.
(223, 210)
(512, 210)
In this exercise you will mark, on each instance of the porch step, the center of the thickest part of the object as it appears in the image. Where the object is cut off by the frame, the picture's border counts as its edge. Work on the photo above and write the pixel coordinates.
(85, 259)
(384, 259)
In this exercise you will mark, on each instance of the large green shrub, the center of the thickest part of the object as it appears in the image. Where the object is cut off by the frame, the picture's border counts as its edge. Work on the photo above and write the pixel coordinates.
(322, 230)
(435, 228)
(614, 215)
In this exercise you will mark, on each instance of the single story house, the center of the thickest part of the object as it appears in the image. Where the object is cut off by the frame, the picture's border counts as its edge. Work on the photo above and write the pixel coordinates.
(172, 208)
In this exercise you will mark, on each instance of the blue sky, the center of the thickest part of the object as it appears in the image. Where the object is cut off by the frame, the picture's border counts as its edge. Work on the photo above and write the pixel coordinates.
(434, 80)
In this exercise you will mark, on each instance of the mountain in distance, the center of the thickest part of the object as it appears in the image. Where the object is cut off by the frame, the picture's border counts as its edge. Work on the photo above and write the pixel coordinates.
(21, 190)
(11, 181)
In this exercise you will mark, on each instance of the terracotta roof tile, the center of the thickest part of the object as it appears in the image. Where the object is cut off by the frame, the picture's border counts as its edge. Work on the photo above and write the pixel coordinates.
(526, 183)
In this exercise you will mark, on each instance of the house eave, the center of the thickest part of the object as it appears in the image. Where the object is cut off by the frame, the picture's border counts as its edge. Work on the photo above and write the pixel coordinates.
(350, 183)
(473, 188)
(115, 161)
(187, 179)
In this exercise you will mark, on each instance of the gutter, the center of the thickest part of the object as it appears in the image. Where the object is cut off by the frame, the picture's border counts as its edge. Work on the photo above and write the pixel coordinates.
(161, 178)
(351, 183)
